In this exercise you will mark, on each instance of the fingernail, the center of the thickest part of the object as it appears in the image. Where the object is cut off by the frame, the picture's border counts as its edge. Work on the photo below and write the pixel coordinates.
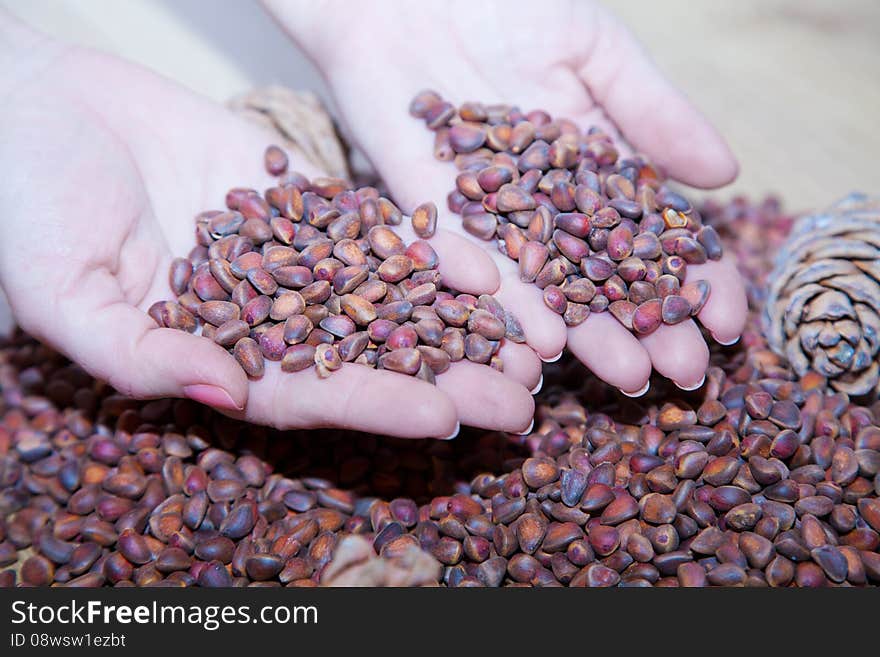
(454, 433)
(553, 359)
(694, 387)
(727, 344)
(528, 430)
(211, 396)
(538, 387)
(637, 393)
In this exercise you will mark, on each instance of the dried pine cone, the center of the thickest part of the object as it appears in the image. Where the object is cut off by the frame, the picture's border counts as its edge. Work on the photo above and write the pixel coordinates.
(823, 304)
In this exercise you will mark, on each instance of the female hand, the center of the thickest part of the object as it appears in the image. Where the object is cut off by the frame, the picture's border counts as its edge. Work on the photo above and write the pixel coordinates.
(104, 167)
(569, 57)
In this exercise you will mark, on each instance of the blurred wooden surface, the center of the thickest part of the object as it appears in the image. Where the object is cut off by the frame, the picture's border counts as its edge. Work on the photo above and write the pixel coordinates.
(794, 85)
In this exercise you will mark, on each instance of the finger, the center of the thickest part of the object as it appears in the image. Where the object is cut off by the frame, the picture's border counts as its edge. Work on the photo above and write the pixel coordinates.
(679, 353)
(726, 309)
(415, 177)
(406, 163)
(611, 352)
(521, 364)
(652, 114)
(122, 345)
(487, 399)
(354, 397)
(544, 330)
(464, 266)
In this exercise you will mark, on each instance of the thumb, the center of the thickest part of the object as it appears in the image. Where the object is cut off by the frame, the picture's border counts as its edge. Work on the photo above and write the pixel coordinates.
(653, 115)
(119, 343)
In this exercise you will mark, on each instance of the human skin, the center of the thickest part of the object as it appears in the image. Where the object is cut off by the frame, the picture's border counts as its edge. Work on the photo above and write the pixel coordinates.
(571, 58)
(104, 166)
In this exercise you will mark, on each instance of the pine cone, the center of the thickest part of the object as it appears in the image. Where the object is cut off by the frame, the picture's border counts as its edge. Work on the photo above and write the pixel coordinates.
(823, 304)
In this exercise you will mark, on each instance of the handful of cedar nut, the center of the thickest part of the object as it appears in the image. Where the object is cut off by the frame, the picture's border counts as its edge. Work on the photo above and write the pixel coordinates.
(593, 230)
(310, 273)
